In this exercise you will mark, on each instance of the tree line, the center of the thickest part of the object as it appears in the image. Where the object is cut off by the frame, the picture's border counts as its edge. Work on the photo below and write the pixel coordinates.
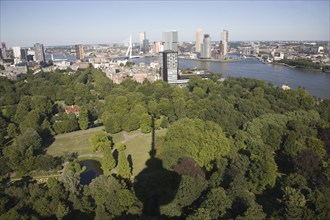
(301, 63)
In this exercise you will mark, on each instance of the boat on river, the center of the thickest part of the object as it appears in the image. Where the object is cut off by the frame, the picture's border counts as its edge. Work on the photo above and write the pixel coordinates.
(285, 86)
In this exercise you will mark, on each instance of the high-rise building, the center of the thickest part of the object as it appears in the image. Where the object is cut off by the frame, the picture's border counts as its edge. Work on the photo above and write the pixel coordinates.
(79, 51)
(169, 66)
(142, 37)
(157, 47)
(39, 53)
(224, 38)
(199, 39)
(17, 52)
(24, 53)
(144, 43)
(31, 55)
(145, 48)
(206, 47)
(3, 52)
(221, 48)
(170, 39)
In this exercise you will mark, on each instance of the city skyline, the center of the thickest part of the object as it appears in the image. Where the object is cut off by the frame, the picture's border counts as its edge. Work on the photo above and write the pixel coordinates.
(113, 21)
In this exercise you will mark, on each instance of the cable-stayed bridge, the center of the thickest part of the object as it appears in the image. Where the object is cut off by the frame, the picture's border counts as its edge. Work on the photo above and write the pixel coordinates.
(129, 50)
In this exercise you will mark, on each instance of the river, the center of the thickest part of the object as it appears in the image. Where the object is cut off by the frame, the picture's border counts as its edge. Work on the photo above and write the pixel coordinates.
(70, 58)
(317, 83)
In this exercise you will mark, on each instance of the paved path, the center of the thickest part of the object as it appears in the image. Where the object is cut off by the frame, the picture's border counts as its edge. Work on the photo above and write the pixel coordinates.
(128, 137)
(91, 155)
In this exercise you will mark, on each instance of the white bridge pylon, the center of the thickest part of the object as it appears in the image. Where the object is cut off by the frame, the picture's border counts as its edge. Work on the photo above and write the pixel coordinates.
(129, 49)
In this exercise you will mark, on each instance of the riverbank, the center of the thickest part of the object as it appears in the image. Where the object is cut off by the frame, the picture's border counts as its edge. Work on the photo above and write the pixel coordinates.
(296, 67)
(317, 83)
(210, 60)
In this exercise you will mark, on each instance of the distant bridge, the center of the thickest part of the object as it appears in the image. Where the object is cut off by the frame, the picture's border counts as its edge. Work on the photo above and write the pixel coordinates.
(129, 50)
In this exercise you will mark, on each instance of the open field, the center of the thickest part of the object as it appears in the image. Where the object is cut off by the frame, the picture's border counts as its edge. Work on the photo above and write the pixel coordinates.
(137, 144)
(77, 142)
(139, 147)
(73, 142)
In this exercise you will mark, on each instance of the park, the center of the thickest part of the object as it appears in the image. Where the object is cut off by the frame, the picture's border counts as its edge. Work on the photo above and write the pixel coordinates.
(137, 145)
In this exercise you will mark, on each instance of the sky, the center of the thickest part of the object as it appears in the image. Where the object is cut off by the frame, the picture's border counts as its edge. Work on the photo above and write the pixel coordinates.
(23, 23)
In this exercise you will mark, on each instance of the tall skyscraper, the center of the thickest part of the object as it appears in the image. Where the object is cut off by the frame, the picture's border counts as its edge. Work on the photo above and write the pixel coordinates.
(145, 48)
(24, 53)
(169, 66)
(206, 47)
(199, 39)
(39, 53)
(144, 43)
(17, 53)
(31, 55)
(224, 38)
(142, 37)
(170, 39)
(3, 52)
(79, 51)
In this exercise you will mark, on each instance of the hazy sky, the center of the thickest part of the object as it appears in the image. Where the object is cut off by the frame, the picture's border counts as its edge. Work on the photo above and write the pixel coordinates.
(24, 23)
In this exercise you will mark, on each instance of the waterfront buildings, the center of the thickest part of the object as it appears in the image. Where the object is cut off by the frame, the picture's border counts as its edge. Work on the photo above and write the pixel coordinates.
(206, 47)
(145, 48)
(31, 55)
(224, 43)
(79, 51)
(157, 47)
(39, 53)
(170, 39)
(142, 36)
(199, 39)
(17, 53)
(169, 66)
(3, 51)
(24, 53)
(144, 43)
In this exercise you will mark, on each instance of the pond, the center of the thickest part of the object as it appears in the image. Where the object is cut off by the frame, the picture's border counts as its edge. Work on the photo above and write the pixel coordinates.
(93, 169)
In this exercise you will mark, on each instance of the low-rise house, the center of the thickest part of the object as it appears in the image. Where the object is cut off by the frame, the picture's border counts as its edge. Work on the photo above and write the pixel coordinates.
(72, 109)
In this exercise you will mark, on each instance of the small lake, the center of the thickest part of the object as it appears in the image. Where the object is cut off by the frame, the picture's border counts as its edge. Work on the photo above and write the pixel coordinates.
(93, 169)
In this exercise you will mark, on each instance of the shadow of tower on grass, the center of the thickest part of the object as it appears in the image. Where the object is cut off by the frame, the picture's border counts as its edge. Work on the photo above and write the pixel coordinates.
(155, 186)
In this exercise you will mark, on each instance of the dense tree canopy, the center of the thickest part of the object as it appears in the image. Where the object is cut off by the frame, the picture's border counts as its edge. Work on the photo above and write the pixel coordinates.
(202, 141)
(238, 149)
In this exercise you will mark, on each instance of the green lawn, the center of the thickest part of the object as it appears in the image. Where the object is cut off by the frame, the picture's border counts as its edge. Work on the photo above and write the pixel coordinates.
(74, 142)
(117, 137)
(139, 147)
(79, 142)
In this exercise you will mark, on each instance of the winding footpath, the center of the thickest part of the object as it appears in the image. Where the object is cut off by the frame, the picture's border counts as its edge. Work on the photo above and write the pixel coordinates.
(129, 137)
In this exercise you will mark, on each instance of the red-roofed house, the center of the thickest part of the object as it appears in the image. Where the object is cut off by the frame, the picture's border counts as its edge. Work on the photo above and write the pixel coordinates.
(72, 109)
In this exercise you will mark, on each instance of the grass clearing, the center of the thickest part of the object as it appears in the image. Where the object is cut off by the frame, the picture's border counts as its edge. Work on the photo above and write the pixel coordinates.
(137, 146)
(74, 142)
(119, 137)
